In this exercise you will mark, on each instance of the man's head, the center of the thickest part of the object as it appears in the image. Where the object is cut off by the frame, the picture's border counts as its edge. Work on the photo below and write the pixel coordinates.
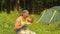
(25, 13)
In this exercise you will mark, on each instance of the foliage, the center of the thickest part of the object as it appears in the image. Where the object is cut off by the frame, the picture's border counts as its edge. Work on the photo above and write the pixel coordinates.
(7, 22)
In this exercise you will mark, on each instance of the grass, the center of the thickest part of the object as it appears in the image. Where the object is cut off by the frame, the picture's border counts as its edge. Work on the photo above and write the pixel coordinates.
(7, 22)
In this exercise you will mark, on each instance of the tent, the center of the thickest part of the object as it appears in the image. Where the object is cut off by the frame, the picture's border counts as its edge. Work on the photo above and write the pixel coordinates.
(51, 15)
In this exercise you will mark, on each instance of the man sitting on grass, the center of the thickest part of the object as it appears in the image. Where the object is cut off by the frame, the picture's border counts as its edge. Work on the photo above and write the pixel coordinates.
(23, 21)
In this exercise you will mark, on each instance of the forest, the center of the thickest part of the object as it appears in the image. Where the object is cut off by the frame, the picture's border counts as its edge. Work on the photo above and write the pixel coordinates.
(34, 6)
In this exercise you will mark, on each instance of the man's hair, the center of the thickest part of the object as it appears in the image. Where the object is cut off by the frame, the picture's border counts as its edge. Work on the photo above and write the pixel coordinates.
(24, 11)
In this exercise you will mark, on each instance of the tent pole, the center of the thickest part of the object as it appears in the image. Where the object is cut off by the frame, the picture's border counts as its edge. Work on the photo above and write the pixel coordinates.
(41, 16)
(51, 19)
(52, 16)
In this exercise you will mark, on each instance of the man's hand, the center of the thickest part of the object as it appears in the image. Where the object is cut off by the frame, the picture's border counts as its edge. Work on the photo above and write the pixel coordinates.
(31, 19)
(28, 24)
(32, 16)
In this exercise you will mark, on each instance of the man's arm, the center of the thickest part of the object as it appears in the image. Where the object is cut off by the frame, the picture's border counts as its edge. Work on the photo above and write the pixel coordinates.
(31, 19)
(17, 25)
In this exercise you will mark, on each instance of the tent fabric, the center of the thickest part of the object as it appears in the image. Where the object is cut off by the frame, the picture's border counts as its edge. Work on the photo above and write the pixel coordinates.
(56, 8)
(48, 15)
(56, 18)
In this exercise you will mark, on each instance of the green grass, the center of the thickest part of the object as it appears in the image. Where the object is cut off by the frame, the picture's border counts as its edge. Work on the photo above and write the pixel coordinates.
(7, 22)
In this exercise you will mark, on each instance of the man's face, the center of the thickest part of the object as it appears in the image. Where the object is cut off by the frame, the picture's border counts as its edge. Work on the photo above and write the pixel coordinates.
(26, 14)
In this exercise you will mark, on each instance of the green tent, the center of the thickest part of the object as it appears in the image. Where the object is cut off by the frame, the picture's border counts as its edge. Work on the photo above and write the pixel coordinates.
(50, 16)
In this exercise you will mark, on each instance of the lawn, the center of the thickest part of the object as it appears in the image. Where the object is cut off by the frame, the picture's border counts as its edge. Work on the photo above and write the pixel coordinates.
(7, 22)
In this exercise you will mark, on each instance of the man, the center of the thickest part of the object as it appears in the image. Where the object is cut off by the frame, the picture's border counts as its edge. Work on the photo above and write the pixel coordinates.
(23, 21)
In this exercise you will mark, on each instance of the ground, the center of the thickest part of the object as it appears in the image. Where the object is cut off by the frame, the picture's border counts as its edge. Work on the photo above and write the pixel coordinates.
(7, 22)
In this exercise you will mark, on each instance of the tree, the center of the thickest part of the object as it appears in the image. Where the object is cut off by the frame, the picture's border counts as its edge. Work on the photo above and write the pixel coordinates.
(34, 6)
